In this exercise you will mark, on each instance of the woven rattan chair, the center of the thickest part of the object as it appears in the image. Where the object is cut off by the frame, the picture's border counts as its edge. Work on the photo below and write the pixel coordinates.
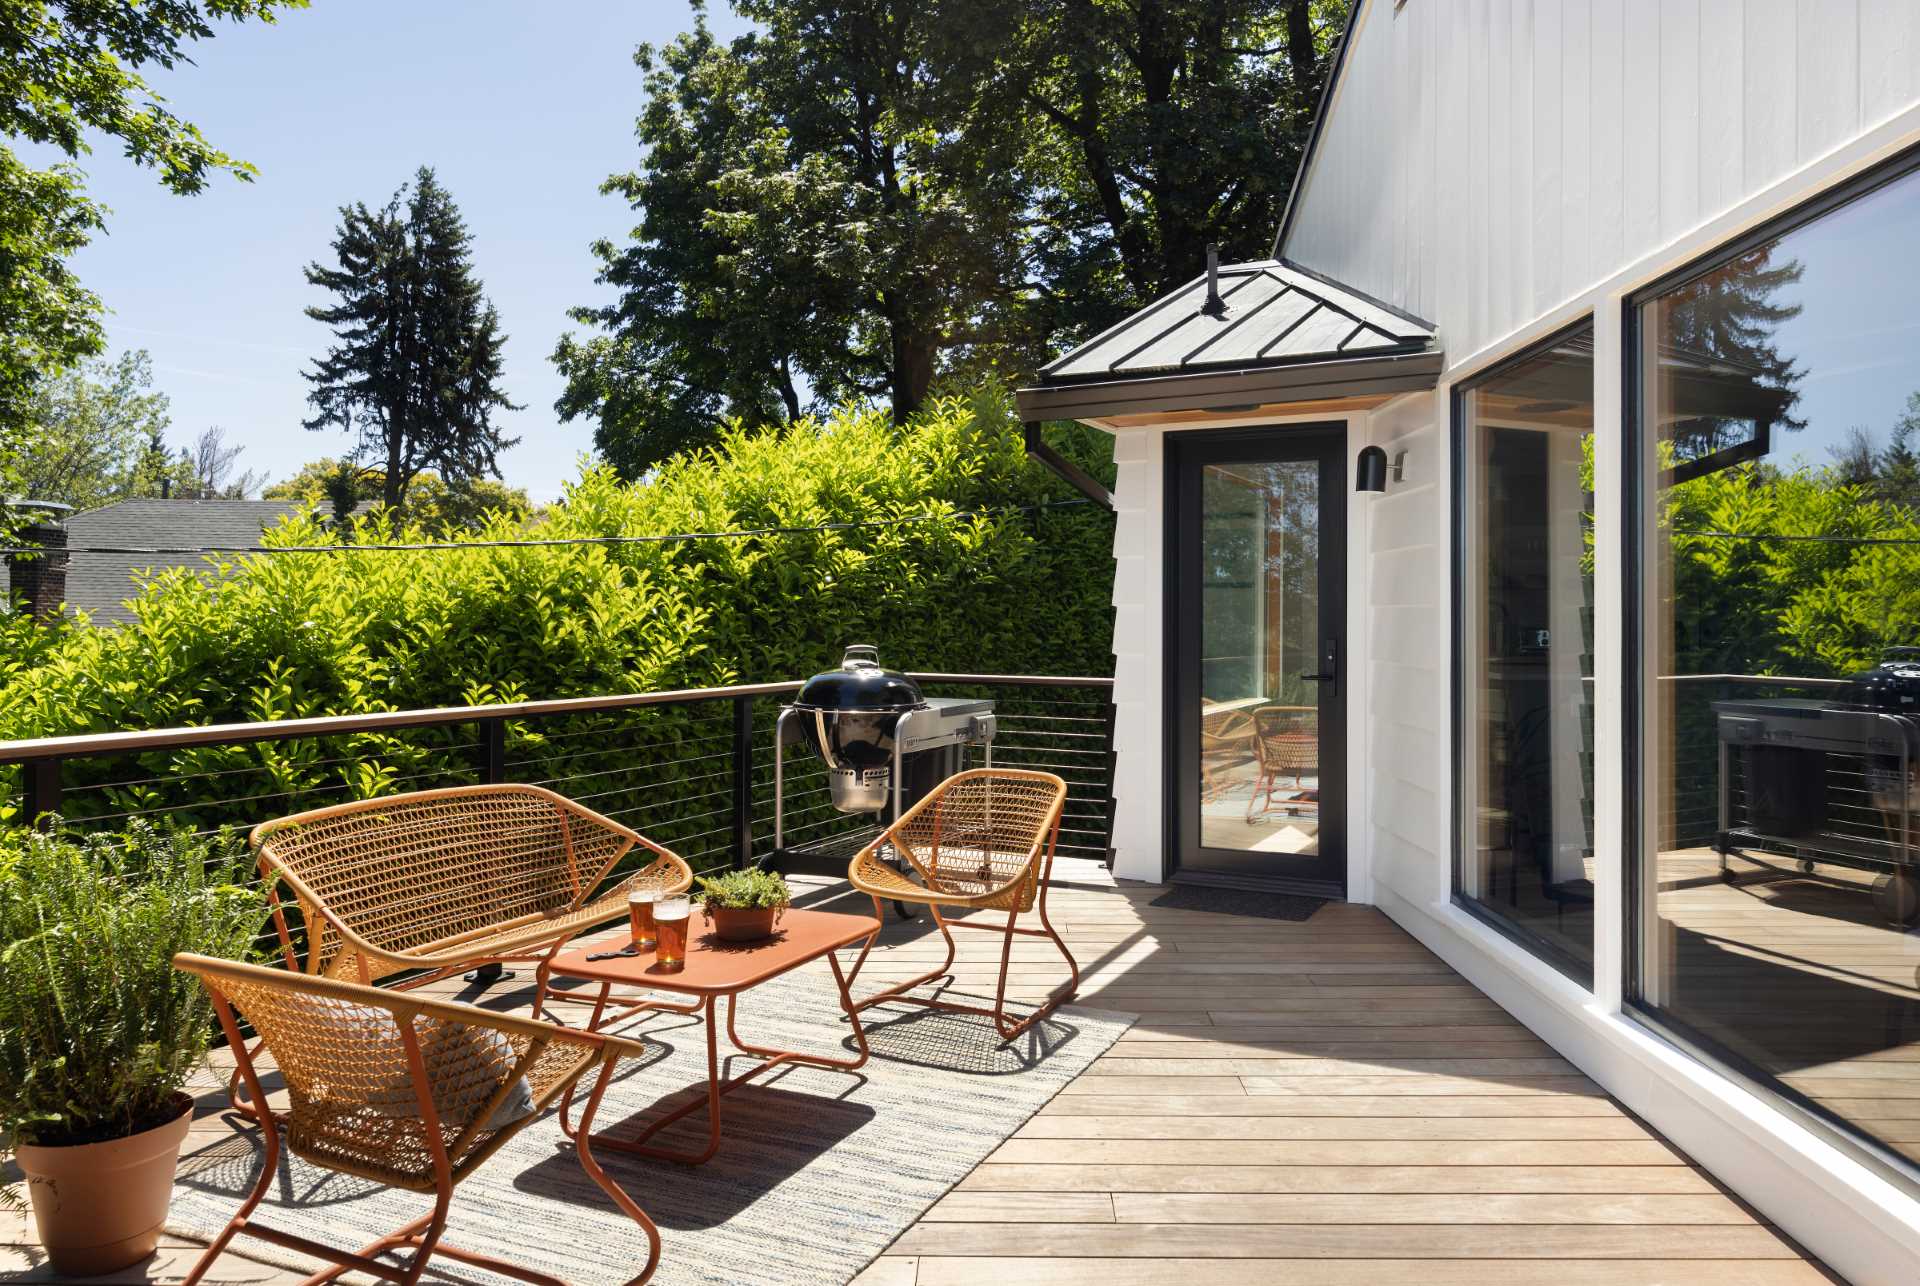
(1226, 740)
(407, 1092)
(442, 881)
(981, 841)
(1287, 743)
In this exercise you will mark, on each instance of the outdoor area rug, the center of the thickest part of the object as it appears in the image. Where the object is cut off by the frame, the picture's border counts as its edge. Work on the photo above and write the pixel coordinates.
(1267, 906)
(817, 1173)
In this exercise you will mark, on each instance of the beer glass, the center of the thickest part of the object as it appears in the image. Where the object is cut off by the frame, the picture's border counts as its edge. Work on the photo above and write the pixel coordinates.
(670, 916)
(640, 911)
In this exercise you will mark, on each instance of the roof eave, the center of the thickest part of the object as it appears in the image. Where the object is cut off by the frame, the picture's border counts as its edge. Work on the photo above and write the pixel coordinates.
(1233, 388)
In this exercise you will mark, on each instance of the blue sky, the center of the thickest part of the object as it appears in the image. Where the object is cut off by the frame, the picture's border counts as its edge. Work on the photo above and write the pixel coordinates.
(522, 108)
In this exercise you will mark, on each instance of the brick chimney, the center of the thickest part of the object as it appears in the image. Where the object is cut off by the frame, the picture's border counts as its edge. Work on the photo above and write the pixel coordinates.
(40, 579)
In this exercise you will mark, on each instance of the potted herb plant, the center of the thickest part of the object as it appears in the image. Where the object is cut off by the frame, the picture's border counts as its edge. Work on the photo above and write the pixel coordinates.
(98, 1033)
(744, 906)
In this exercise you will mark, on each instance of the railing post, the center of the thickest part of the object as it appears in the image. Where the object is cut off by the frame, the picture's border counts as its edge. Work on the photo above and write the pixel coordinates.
(493, 749)
(493, 771)
(1112, 762)
(742, 782)
(42, 788)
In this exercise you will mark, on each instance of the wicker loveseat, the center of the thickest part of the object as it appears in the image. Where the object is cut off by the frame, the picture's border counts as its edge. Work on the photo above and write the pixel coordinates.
(442, 881)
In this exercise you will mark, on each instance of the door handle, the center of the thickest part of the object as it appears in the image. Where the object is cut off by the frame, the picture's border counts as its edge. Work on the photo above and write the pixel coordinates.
(1330, 665)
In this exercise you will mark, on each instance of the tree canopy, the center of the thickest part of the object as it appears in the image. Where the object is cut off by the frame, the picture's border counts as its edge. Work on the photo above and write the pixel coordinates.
(70, 68)
(430, 501)
(862, 198)
(98, 433)
(414, 372)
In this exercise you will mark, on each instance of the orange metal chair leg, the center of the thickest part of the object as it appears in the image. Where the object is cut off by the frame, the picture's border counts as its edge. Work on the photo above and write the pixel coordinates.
(898, 990)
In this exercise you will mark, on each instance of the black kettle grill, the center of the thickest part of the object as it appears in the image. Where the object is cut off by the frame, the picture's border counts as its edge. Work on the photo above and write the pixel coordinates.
(884, 744)
(849, 717)
(1892, 687)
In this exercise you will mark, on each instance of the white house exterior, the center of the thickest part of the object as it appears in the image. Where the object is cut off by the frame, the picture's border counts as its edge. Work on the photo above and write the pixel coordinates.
(1502, 195)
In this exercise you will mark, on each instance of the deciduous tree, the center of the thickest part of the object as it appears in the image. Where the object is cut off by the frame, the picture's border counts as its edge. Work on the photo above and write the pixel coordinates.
(97, 433)
(71, 70)
(863, 197)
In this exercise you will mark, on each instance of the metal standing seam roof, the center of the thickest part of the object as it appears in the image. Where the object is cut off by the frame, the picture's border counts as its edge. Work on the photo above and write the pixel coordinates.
(1275, 313)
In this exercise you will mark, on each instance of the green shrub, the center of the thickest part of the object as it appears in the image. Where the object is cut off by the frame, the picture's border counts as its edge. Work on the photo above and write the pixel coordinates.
(290, 635)
(97, 1029)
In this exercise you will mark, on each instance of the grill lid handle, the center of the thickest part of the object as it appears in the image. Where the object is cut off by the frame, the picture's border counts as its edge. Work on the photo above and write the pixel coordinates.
(860, 656)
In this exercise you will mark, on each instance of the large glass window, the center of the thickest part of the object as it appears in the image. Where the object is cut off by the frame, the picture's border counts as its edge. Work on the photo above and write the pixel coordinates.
(1777, 502)
(1525, 602)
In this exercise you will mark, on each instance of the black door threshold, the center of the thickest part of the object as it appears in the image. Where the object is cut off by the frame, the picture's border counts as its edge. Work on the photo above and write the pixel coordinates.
(1328, 889)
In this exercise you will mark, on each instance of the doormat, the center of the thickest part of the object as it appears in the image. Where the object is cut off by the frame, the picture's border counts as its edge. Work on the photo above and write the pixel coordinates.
(1267, 906)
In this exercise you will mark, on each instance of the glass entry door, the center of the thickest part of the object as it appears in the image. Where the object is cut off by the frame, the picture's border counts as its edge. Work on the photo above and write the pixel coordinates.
(1256, 654)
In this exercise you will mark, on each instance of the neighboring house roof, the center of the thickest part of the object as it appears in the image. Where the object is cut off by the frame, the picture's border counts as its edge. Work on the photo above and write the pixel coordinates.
(100, 583)
(1281, 334)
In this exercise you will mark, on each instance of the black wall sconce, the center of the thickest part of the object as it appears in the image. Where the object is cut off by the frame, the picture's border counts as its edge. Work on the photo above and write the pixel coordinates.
(1371, 470)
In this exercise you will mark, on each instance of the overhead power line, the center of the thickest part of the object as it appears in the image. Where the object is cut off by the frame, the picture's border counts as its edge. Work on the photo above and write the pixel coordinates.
(1786, 538)
(553, 543)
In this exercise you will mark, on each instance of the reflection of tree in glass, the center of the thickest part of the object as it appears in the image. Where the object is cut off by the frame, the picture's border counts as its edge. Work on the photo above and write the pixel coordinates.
(1728, 318)
(1890, 474)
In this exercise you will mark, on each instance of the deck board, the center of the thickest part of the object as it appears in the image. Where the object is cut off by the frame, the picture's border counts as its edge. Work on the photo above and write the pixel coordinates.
(1322, 1103)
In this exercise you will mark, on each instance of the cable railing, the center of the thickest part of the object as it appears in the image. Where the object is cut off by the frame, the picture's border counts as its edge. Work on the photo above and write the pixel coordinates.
(691, 769)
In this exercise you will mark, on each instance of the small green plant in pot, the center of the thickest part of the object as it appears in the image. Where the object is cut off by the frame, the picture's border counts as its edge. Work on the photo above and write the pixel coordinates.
(744, 906)
(98, 1032)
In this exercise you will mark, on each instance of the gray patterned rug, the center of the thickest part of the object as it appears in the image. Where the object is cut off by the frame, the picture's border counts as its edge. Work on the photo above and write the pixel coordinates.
(817, 1173)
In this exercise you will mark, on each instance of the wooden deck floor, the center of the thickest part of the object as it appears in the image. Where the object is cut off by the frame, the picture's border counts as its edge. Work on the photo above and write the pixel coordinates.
(1800, 974)
(1316, 1102)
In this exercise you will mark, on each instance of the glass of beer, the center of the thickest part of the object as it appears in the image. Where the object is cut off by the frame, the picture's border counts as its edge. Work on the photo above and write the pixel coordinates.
(670, 916)
(640, 911)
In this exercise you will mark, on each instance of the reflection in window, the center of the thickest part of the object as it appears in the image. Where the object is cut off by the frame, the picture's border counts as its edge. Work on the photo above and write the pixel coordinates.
(1259, 635)
(1526, 604)
(1781, 398)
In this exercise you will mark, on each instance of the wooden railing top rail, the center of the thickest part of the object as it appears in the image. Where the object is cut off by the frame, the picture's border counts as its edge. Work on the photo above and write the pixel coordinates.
(213, 734)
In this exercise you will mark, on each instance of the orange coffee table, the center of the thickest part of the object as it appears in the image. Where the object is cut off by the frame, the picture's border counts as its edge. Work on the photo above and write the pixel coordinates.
(715, 969)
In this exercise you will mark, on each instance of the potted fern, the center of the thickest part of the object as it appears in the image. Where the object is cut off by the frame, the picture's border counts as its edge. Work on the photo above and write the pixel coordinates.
(98, 1033)
(744, 906)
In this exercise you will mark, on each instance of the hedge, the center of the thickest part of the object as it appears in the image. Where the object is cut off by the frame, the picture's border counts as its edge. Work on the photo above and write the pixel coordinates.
(288, 635)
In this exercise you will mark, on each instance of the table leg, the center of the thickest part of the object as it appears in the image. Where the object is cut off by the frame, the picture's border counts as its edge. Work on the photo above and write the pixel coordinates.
(778, 1056)
(717, 1087)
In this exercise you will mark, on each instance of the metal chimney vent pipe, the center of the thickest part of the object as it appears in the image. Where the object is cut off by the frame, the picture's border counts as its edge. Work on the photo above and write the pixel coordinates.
(1215, 306)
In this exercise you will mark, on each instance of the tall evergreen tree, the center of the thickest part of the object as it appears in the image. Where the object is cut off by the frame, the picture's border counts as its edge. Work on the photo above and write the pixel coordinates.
(415, 368)
(1733, 315)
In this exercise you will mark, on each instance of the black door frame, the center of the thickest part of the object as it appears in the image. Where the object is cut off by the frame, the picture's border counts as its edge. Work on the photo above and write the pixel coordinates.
(1185, 452)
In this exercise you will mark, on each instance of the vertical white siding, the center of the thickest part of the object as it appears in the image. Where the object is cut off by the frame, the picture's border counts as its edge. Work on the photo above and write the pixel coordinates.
(1139, 495)
(1485, 160)
(1405, 827)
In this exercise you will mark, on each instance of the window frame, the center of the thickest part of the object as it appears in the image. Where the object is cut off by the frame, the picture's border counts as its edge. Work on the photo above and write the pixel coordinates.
(1580, 972)
(1635, 727)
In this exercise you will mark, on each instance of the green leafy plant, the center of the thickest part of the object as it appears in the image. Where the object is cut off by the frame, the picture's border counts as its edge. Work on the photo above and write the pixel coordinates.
(905, 536)
(748, 890)
(98, 1031)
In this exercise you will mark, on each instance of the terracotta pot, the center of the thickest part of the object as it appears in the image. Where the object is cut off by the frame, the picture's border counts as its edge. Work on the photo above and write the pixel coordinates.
(743, 923)
(99, 1206)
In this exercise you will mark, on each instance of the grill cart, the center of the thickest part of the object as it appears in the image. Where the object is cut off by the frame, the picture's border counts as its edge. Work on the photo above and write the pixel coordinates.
(1829, 781)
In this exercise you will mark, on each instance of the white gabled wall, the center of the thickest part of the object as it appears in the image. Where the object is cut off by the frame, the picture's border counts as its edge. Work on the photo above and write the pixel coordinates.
(1486, 159)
